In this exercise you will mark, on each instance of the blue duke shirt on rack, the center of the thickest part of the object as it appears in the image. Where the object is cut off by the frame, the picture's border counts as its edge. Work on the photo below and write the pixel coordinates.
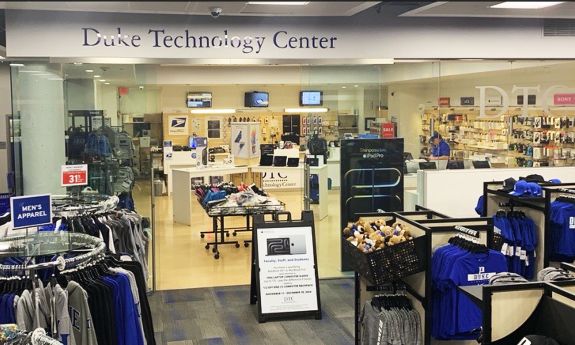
(455, 316)
(562, 231)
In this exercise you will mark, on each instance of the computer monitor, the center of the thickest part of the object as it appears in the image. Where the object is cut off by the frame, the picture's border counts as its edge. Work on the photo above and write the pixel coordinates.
(481, 165)
(427, 166)
(455, 165)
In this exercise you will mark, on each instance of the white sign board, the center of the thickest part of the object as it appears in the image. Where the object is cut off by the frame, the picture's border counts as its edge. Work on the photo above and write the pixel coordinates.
(287, 275)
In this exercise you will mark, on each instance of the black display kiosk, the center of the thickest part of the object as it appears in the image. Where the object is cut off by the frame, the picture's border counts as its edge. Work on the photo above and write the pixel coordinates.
(371, 179)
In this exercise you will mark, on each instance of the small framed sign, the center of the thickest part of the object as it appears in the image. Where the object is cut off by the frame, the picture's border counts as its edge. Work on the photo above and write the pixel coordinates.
(284, 272)
(467, 101)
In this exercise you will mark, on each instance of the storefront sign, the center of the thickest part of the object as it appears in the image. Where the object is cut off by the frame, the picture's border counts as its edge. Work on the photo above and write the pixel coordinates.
(31, 210)
(178, 125)
(74, 175)
(69, 34)
(564, 99)
(286, 268)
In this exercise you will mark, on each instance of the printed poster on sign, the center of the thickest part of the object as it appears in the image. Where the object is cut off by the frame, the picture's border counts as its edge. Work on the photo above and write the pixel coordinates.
(287, 276)
(178, 125)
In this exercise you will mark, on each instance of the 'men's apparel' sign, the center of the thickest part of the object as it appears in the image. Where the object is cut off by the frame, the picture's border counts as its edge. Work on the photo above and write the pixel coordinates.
(31, 210)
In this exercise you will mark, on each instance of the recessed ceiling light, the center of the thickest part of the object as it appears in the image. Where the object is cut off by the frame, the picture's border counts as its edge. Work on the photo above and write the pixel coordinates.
(344, 87)
(90, 71)
(77, 63)
(106, 83)
(102, 80)
(279, 3)
(528, 5)
(356, 85)
(97, 76)
(17, 64)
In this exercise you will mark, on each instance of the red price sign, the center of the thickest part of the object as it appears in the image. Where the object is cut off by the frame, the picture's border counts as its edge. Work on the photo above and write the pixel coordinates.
(74, 175)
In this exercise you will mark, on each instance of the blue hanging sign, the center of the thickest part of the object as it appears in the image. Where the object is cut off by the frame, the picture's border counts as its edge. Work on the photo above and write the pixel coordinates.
(31, 210)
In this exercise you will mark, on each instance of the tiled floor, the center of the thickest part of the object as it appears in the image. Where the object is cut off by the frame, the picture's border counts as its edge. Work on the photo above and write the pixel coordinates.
(214, 316)
(182, 262)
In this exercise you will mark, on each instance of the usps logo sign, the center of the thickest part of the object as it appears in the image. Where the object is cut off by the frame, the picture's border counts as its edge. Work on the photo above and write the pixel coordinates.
(31, 210)
(178, 125)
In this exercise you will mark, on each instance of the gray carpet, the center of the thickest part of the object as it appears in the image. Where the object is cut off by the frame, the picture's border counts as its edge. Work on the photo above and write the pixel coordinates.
(215, 316)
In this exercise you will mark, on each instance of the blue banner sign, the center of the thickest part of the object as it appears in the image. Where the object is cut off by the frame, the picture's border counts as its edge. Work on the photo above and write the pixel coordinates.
(31, 210)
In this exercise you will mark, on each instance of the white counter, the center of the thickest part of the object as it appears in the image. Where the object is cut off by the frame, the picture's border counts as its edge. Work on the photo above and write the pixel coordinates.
(455, 192)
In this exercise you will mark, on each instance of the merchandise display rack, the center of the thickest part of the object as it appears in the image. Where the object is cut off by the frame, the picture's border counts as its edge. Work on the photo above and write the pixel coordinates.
(219, 228)
(430, 229)
(505, 138)
(537, 208)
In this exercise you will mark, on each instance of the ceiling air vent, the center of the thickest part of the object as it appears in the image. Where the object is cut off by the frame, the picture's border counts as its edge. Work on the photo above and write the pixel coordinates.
(558, 27)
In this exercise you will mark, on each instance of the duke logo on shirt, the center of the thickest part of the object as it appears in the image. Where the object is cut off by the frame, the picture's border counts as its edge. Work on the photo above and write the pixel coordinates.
(480, 276)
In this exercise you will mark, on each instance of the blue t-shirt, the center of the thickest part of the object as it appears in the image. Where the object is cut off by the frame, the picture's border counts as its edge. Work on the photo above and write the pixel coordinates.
(442, 149)
(563, 228)
(473, 269)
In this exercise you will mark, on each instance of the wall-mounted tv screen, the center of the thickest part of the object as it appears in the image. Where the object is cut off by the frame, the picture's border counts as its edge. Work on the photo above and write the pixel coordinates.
(310, 98)
(199, 100)
(256, 99)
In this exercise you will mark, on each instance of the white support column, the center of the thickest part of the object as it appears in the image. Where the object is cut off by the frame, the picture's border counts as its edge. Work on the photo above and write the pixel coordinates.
(39, 98)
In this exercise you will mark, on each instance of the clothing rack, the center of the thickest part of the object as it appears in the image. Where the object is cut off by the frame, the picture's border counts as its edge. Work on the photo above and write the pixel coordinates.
(98, 249)
(39, 337)
(424, 221)
(541, 205)
(550, 308)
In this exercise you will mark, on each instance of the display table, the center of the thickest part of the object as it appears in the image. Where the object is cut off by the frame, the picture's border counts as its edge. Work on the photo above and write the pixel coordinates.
(182, 181)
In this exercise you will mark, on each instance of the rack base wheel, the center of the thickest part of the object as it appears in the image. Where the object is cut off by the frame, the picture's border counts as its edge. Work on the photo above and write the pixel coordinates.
(207, 246)
(237, 245)
(202, 235)
(214, 250)
(228, 234)
(246, 244)
(217, 256)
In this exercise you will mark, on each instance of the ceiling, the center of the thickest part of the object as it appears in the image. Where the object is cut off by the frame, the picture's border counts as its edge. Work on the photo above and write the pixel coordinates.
(482, 9)
(230, 8)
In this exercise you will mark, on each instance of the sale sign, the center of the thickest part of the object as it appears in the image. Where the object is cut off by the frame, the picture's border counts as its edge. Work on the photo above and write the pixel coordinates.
(564, 99)
(74, 175)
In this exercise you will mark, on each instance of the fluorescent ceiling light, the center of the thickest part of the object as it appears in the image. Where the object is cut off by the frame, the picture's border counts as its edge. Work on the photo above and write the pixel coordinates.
(97, 76)
(306, 110)
(77, 63)
(279, 3)
(17, 64)
(212, 111)
(90, 71)
(106, 83)
(102, 80)
(527, 5)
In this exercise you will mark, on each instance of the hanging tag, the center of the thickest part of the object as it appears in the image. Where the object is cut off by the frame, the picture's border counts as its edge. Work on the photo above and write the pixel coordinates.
(510, 251)
(524, 255)
(518, 251)
(504, 249)
(58, 225)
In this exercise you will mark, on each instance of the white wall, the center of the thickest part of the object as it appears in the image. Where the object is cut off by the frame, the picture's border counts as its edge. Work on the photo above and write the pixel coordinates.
(80, 94)
(107, 100)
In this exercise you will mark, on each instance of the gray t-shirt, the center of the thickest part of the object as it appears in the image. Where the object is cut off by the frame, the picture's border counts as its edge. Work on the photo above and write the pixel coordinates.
(80, 316)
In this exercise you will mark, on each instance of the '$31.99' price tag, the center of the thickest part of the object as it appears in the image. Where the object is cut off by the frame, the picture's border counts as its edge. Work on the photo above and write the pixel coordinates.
(74, 175)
